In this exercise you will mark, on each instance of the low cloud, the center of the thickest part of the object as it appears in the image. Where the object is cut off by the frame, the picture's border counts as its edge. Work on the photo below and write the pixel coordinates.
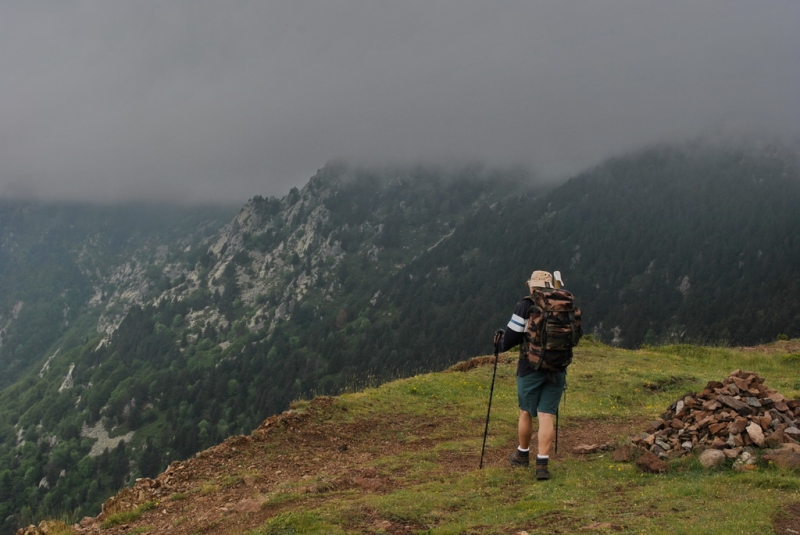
(199, 101)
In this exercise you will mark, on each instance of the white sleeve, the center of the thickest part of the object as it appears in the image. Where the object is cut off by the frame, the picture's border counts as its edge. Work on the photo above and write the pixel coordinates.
(516, 324)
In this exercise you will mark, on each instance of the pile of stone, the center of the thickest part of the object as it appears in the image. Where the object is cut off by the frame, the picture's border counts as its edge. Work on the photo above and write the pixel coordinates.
(739, 412)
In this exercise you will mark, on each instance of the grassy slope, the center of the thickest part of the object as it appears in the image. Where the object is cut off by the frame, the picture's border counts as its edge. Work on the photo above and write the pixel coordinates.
(413, 448)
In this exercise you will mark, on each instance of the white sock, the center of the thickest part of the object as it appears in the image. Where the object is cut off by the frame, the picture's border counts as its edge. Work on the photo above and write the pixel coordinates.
(543, 457)
(526, 450)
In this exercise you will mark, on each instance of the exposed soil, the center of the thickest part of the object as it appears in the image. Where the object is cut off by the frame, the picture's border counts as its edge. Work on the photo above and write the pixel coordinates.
(488, 360)
(787, 521)
(781, 346)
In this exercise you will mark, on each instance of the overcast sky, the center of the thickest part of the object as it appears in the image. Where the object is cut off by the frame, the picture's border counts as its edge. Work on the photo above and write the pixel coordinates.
(186, 99)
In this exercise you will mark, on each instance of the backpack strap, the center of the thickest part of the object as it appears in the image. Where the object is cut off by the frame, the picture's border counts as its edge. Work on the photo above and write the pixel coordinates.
(532, 299)
(543, 310)
(543, 330)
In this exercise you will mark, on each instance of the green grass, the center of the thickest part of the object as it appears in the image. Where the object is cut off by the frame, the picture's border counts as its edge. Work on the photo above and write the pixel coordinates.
(232, 480)
(291, 523)
(123, 517)
(586, 495)
(126, 517)
(208, 488)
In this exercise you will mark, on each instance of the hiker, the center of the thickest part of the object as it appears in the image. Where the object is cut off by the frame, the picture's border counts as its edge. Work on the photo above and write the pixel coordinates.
(538, 390)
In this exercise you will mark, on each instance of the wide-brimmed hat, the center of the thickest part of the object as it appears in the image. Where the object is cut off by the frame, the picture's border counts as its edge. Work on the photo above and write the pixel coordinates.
(541, 279)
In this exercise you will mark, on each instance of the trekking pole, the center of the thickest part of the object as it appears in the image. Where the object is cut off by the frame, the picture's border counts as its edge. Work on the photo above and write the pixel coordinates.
(558, 410)
(556, 431)
(489, 410)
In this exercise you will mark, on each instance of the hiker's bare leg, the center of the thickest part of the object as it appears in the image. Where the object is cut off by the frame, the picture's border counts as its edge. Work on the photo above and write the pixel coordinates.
(525, 429)
(547, 432)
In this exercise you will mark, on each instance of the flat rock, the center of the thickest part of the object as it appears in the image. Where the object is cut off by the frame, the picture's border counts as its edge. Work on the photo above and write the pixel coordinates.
(649, 462)
(753, 402)
(784, 459)
(756, 434)
(718, 443)
(792, 432)
(655, 425)
(781, 406)
(712, 458)
(732, 453)
(743, 384)
(774, 440)
(623, 454)
(739, 406)
(718, 428)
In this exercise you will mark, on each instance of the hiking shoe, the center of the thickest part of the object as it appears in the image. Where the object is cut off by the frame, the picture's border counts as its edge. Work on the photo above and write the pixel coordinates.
(542, 472)
(518, 460)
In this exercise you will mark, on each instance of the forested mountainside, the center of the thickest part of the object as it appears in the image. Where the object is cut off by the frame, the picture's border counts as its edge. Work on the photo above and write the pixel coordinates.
(59, 262)
(668, 245)
(170, 340)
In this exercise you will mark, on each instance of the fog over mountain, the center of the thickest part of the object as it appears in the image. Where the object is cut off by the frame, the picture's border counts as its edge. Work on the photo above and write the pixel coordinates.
(200, 101)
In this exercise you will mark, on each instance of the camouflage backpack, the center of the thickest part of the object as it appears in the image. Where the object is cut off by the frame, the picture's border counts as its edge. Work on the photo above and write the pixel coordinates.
(552, 330)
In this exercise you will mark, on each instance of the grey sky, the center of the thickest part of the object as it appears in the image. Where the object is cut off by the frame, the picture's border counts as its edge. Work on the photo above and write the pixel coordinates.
(185, 99)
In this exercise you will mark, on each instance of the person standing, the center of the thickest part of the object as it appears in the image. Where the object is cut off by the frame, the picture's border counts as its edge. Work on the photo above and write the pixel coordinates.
(541, 371)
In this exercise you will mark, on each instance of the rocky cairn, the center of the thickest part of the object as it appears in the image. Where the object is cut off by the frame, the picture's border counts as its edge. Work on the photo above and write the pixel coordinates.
(733, 416)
